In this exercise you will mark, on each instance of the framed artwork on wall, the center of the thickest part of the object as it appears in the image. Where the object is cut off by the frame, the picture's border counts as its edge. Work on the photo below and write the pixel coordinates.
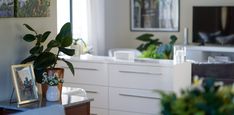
(24, 83)
(32, 8)
(154, 15)
(6, 8)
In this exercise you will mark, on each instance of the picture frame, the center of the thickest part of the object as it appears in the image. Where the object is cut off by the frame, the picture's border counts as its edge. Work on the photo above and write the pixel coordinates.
(32, 8)
(7, 9)
(24, 83)
(155, 15)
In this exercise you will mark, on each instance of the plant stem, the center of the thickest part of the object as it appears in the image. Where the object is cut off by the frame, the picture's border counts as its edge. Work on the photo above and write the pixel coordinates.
(56, 58)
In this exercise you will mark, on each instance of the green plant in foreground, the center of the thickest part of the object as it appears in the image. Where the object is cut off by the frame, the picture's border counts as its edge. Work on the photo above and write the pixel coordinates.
(43, 58)
(153, 48)
(208, 99)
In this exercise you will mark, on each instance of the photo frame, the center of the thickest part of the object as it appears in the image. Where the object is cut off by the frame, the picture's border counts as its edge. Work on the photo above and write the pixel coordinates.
(155, 15)
(24, 83)
(7, 8)
(32, 8)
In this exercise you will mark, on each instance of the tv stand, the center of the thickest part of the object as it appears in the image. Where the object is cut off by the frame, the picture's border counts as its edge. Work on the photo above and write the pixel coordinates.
(201, 53)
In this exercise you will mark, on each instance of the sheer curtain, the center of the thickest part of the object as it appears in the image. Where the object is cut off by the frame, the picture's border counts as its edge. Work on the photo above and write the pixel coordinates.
(96, 26)
(88, 22)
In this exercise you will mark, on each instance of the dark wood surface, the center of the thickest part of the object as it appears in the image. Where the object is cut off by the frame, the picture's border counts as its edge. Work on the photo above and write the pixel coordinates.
(83, 109)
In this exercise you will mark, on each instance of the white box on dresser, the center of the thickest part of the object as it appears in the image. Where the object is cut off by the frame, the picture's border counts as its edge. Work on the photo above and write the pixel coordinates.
(126, 88)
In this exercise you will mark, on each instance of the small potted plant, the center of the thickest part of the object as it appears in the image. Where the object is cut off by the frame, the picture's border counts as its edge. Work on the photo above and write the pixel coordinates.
(52, 93)
(44, 59)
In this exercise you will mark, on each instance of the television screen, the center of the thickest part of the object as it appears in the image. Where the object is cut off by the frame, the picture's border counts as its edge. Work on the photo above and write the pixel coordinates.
(213, 24)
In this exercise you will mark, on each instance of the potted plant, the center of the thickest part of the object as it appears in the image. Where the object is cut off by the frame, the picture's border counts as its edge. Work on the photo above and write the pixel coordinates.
(44, 59)
(206, 99)
(153, 48)
(52, 93)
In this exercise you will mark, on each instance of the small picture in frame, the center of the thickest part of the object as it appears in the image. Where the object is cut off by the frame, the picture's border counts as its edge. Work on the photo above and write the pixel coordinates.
(24, 83)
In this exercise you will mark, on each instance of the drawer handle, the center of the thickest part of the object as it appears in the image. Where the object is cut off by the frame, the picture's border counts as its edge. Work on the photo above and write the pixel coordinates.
(91, 92)
(138, 96)
(93, 114)
(90, 69)
(140, 72)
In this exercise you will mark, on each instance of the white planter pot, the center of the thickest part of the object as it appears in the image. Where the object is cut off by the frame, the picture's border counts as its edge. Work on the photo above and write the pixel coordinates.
(52, 93)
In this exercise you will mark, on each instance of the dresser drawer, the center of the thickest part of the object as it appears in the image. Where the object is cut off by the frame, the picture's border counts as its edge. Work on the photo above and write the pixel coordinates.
(87, 73)
(131, 100)
(128, 113)
(98, 93)
(140, 77)
(97, 111)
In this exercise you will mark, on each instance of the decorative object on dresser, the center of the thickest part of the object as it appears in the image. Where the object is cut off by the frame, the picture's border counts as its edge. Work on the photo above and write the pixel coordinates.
(44, 60)
(153, 48)
(24, 83)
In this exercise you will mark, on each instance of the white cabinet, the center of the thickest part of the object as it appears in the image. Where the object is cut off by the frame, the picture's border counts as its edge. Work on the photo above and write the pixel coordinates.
(126, 88)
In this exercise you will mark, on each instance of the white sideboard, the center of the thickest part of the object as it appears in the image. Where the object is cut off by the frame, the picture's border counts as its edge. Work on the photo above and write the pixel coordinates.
(126, 88)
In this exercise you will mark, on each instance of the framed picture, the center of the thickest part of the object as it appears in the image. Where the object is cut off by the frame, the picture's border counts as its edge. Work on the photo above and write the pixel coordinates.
(6, 8)
(24, 83)
(32, 8)
(155, 15)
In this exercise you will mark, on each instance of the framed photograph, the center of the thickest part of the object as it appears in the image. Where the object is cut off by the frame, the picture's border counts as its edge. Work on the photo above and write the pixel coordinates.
(24, 83)
(32, 8)
(155, 15)
(6, 8)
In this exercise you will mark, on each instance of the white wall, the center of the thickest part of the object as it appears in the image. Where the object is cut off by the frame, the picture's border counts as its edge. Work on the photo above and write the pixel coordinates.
(118, 34)
(13, 49)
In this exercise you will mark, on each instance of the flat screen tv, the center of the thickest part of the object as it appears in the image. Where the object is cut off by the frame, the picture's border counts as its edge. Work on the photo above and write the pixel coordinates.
(213, 25)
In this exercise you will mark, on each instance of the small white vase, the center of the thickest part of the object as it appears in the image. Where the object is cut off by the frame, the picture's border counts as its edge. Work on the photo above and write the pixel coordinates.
(52, 93)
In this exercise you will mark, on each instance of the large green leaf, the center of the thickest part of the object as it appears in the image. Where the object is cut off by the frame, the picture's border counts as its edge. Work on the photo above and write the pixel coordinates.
(45, 60)
(30, 28)
(29, 37)
(45, 36)
(53, 43)
(145, 37)
(70, 66)
(65, 35)
(173, 39)
(29, 59)
(66, 30)
(69, 52)
(36, 50)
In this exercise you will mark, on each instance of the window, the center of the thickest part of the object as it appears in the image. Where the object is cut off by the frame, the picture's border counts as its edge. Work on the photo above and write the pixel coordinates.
(76, 12)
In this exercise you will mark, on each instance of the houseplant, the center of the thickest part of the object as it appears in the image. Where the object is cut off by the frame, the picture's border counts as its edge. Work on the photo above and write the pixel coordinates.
(44, 59)
(153, 48)
(206, 99)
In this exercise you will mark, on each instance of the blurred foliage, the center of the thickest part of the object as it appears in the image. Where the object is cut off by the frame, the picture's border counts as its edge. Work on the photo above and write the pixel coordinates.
(208, 99)
(153, 48)
(33, 8)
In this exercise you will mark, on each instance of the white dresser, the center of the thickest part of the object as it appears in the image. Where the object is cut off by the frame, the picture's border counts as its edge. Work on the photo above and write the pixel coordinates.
(126, 88)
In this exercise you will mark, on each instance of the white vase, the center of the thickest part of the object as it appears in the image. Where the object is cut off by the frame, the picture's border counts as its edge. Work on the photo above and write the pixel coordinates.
(52, 93)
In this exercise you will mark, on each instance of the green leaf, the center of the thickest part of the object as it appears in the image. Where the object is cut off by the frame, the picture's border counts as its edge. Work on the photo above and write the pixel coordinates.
(45, 60)
(70, 66)
(29, 27)
(141, 48)
(173, 39)
(145, 37)
(69, 52)
(29, 37)
(53, 43)
(36, 50)
(45, 36)
(65, 37)
(29, 59)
